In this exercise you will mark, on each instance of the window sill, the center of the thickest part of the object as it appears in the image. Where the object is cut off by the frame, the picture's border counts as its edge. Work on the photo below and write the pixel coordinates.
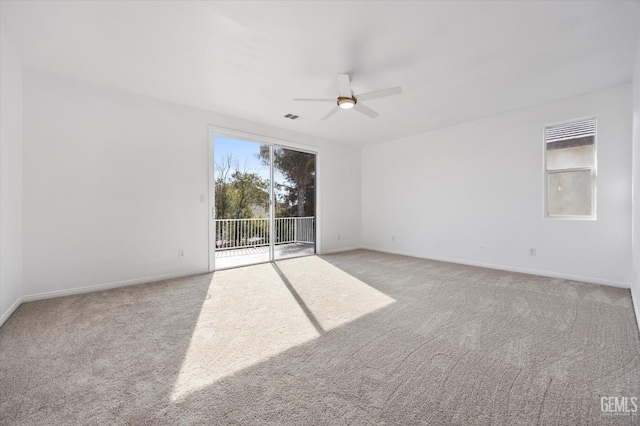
(587, 218)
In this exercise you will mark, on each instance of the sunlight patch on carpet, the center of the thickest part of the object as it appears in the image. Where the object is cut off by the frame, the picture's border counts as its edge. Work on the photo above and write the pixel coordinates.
(257, 312)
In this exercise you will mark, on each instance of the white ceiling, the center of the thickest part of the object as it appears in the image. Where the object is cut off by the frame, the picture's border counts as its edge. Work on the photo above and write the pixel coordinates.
(456, 61)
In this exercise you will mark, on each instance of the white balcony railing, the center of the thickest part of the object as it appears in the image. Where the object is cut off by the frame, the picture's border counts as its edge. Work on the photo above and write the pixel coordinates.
(242, 233)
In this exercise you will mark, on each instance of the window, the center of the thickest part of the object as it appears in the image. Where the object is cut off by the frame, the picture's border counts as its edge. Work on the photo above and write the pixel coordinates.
(570, 170)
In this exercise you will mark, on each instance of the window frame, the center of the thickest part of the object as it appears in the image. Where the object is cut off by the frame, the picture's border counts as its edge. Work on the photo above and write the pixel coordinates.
(593, 168)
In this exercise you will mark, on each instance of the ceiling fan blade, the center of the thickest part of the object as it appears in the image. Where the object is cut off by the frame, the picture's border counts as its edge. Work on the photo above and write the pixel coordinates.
(379, 94)
(344, 87)
(314, 100)
(365, 110)
(330, 113)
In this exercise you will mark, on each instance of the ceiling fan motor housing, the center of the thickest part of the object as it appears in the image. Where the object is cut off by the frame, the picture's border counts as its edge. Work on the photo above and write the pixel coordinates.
(347, 102)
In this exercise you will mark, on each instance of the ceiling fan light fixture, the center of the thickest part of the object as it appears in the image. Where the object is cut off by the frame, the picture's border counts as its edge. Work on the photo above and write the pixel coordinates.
(346, 103)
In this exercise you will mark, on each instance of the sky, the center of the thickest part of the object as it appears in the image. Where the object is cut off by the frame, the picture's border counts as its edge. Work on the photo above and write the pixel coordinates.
(246, 153)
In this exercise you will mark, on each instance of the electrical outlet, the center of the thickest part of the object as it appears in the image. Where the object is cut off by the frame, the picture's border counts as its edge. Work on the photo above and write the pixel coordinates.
(481, 247)
(532, 252)
(202, 198)
(393, 238)
(338, 237)
(182, 253)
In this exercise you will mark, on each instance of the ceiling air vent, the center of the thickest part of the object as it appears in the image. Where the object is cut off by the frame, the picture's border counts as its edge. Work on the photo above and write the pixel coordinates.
(292, 116)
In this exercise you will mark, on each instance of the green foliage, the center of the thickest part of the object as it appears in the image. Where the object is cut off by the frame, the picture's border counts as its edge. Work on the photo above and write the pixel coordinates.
(299, 170)
(239, 193)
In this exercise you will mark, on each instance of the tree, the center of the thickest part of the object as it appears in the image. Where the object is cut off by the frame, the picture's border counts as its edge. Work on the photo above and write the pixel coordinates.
(248, 190)
(222, 186)
(238, 191)
(299, 169)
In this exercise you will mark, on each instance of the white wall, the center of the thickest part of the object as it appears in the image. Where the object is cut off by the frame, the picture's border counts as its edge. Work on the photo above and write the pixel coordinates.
(112, 183)
(10, 179)
(443, 193)
(635, 288)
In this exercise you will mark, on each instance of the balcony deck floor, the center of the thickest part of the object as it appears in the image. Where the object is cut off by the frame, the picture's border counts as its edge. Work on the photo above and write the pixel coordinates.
(250, 255)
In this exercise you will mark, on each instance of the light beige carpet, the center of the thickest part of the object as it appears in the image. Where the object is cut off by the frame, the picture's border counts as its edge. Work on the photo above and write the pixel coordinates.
(354, 338)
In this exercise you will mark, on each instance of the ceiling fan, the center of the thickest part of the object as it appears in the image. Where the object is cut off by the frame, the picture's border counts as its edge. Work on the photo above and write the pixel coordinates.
(348, 100)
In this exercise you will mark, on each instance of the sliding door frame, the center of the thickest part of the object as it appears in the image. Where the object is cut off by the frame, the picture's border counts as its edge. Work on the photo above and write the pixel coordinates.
(272, 142)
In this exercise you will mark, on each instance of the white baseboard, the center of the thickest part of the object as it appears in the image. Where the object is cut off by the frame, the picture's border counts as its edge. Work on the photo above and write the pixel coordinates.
(339, 250)
(541, 273)
(635, 299)
(106, 286)
(11, 310)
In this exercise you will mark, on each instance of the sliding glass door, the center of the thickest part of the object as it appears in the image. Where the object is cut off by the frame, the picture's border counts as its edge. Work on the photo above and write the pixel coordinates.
(264, 202)
(295, 202)
(242, 186)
